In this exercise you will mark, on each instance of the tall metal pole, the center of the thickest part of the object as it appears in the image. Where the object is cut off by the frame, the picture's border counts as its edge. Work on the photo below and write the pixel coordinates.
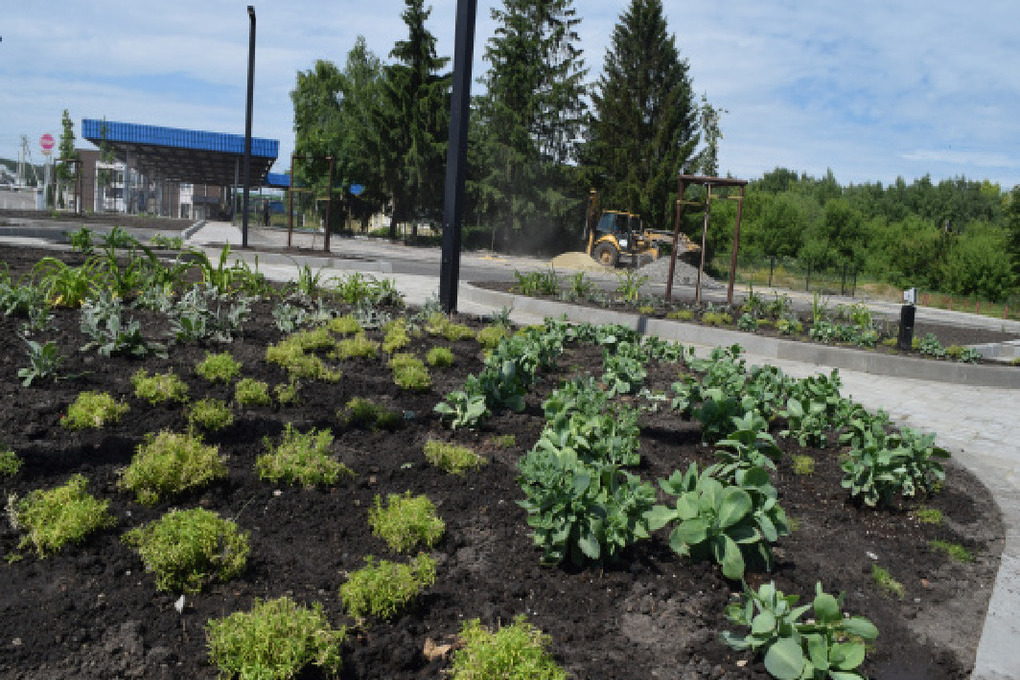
(329, 206)
(247, 126)
(456, 154)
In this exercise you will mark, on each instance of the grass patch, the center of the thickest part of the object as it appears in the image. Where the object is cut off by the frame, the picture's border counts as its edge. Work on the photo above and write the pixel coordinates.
(187, 548)
(384, 589)
(439, 357)
(927, 515)
(301, 458)
(405, 522)
(452, 458)
(52, 519)
(514, 652)
(93, 410)
(410, 373)
(803, 465)
(955, 551)
(884, 580)
(220, 367)
(251, 392)
(503, 441)
(168, 464)
(210, 414)
(159, 388)
(275, 640)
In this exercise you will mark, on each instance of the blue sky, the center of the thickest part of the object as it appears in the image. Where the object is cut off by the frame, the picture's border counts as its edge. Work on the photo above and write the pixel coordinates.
(871, 89)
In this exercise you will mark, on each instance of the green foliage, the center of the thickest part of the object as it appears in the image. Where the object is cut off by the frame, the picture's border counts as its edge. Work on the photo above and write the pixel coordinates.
(101, 321)
(624, 368)
(301, 459)
(443, 325)
(93, 410)
(210, 414)
(384, 589)
(803, 465)
(10, 463)
(629, 285)
(581, 418)
(927, 515)
(406, 522)
(364, 413)
(711, 318)
(452, 458)
(514, 652)
(43, 361)
(251, 392)
(490, 336)
(159, 388)
(188, 548)
(409, 372)
(273, 641)
(464, 408)
(536, 283)
(747, 322)
(344, 325)
(929, 345)
(220, 367)
(81, 241)
(63, 285)
(168, 464)
(395, 336)
(955, 551)
(439, 357)
(290, 355)
(578, 288)
(884, 580)
(52, 519)
(681, 315)
(881, 465)
(828, 645)
(205, 312)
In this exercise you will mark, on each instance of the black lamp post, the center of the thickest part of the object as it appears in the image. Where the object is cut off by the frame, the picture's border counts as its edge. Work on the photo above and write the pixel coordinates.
(247, 127)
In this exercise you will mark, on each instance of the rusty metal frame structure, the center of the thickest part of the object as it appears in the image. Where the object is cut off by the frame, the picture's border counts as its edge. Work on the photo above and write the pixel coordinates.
(708, 182)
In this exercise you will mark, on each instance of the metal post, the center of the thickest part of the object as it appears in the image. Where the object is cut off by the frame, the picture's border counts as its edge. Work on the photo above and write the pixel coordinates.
(247, 126)
(704, 241)
(676, 236)
(290, 199)
(329, 206)
(736, 243)
(456, 154)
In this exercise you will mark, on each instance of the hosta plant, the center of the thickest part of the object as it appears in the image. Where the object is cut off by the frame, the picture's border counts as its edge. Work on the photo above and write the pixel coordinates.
(882, 465)
(92, 410)
(828, 645)
(624, 368)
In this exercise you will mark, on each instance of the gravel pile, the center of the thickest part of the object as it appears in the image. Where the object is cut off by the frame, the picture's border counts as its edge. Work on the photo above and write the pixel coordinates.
(684, 274)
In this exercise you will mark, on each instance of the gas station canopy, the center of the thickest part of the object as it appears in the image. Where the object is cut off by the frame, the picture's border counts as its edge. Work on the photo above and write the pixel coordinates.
(177, 155)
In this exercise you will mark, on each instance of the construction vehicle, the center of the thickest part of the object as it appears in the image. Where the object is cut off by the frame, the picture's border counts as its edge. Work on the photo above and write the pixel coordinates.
(616, 235)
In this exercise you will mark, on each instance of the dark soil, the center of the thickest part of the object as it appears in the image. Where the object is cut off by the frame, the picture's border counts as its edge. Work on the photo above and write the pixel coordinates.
(91, 611)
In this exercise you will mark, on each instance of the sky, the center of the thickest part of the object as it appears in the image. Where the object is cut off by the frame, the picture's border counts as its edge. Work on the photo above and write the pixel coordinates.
(873, 90)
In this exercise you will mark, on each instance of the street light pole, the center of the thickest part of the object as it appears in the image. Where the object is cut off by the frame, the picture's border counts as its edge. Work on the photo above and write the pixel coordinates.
(247, 127)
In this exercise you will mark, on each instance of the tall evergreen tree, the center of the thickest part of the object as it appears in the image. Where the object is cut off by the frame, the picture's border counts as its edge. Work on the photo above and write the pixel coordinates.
(644, 125)
(529, 120)
(412, 122)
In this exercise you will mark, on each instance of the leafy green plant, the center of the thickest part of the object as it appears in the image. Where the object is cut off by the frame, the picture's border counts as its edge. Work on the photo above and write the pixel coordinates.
(161, 242)
(81, 241)
(789, 325)
(220, 367)
(409, 372)
(452, 458)
(43, 361)
(624, 368)
(185, 549)
(159, 388)
(439, 357)
(881, 465)
(210, 414)
(275, 640)
(955, 551)
(364, 413)
(580, 417)
(301, 458)
(711, 318)
(10, 463)
(537, 283)
(344, 325)
(579, 287)
(395, 336)
(52, 519)
(829, 645)
(514, 652)
(747, 322)
(251, 392)
(93, 410)
(288, 393)
(749, 445)
(205, 312)
(168, 464)
(629, 285)
(101, 320)
(929, 345)
(405, 522)
(680, 315)
(63, 285)
(383, 589)
(358, 346)
(807, 421)
(290, 355)
(464, 408)
(884, 580)
(443, 325)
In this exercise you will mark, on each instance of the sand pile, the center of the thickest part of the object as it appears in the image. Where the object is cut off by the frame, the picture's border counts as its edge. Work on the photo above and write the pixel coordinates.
(580, 261)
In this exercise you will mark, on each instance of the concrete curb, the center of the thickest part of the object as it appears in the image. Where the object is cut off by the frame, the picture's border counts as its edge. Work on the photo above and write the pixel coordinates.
(776, 348)
(317, 261)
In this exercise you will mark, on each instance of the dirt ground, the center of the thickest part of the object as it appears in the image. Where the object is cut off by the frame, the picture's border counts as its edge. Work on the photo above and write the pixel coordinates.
(91, 611)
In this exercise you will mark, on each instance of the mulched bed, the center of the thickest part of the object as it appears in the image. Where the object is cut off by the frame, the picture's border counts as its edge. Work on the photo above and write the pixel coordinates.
(91, 611)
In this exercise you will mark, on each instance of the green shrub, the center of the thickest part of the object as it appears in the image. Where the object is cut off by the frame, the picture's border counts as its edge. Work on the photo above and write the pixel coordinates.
(290, 355)
(93, 410)
(452, 458)
(395, 336)
(383, 590)
(159, 388)
(168, 464)
(406, 521)
(301, 458)
(187, 548)
(365, 413)
(51, 519)
(251, 392)
(220, 367)
(442, 325)
(344, 325)
(273, 641)
(358, 346)
(288, 393)
(716, 319)
(439, 357)
(10, 463)
(490, 336)
(210, 414)
(681, 315)
(514, 652)
(409, 372)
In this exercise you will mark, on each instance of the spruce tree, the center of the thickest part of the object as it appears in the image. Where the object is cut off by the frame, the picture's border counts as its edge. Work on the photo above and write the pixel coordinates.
(644, 125)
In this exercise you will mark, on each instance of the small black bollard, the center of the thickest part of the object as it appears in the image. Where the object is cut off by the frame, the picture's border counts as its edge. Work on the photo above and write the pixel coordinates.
(906, 336)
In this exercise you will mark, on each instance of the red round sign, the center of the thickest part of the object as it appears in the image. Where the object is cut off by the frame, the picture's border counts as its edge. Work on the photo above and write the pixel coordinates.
(47, 142)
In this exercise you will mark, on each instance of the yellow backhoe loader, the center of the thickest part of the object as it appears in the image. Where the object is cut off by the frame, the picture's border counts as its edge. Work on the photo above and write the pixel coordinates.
(616, 235)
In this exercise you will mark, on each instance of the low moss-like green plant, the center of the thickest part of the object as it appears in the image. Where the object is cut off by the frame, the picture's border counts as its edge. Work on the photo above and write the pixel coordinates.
(514, 652)
(406, 521)
(716, 319)
(452, 458)
(210, 414)
(366, 414)
(93, 410)
(159, 388)
(10, 463)
(803, 465)
(926, 515)
(220, 367)
(345, 325)
(395, 336)
(52, 519)
(884, 580)
(275, 640)
(955, 551)
(439, 357)
(503, 441)
(384, 589)
(490, 336)
(290, 355)
(681, 315)
(251, 392)
(186, 549)
(441, 324)
(168, 464)
(301, 458)
(409, 372)
(357, 347)
(646, 310)
(288, 393)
